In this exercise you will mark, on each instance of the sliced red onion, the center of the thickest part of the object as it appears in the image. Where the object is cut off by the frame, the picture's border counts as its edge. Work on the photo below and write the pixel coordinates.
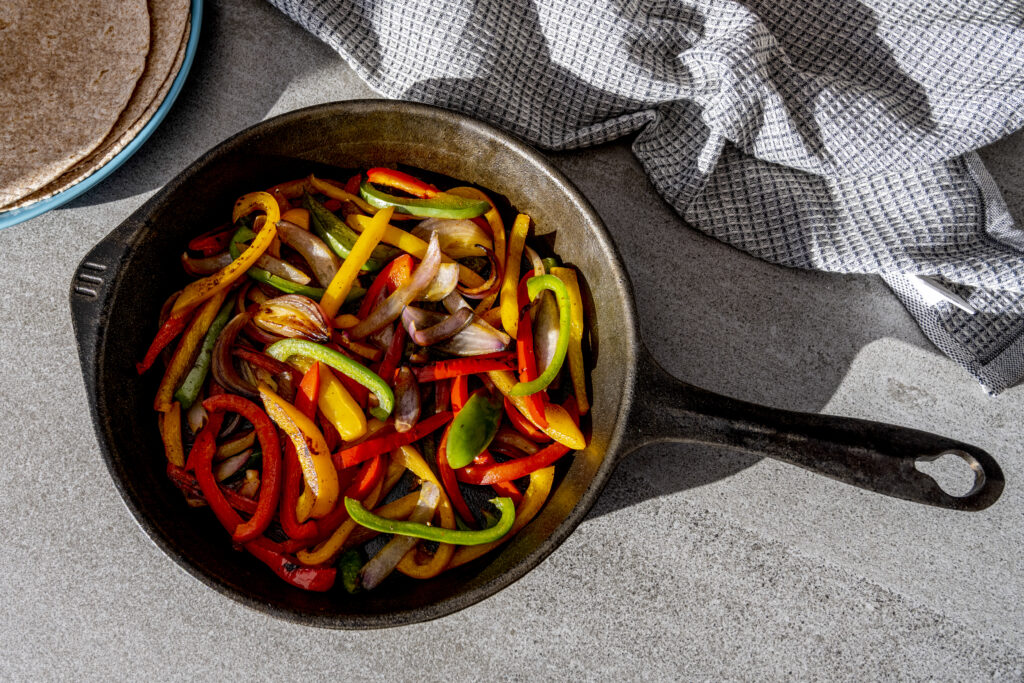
(535, 260)
(204, 266)
(447, 328)
(474, 340)
(545, 330)
(454, 302)
(384, 562)
(511, 437)
(491, 284)
(459, 237)
(446, 280)
(276, 266)
(223, 366)
(407, 400)
(320, 258)
(229, 466)
(197, 417)
(406, 293)
(293, 316)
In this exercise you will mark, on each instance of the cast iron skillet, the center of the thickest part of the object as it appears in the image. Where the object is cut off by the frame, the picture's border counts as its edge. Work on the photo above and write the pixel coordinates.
(120, 285)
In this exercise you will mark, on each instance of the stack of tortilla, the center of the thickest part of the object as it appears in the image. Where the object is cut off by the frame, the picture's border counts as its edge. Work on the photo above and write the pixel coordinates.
(78, 81)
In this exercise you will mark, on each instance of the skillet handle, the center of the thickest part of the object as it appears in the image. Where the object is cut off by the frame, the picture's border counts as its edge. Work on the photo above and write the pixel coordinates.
(92, 288)
(872, 455)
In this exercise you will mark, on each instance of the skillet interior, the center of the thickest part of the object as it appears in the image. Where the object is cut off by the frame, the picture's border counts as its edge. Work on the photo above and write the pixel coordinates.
(139, 268)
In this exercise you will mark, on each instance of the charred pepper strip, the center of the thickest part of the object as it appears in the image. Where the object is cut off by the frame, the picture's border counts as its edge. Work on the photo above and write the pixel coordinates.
(284, 349)
(189, 389)
(535, 286)
(270, 480)
(364, 517)
(305, 401)
(167, 333)
(170, 432)
(339, 237)
(316, 579)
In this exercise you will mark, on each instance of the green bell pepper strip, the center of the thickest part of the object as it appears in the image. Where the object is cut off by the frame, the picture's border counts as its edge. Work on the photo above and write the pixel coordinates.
(473, 429)
(349, 565)
(286, 348)
(439, 206)
(364, 517)
(261, 275)
(189, 390)
(340, 238)
(549, 263)
(534, 286)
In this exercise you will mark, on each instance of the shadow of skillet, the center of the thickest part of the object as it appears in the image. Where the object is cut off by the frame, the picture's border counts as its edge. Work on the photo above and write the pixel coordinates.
(248, 54)
(724, 321)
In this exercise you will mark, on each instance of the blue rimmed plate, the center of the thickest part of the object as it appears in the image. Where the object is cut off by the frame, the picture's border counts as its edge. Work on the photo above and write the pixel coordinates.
(15, 216)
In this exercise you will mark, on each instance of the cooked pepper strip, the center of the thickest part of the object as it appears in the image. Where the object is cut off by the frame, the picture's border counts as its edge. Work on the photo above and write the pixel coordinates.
(473, 429)
(200, 458)
(317, 579)
(447, 369)
(535, 286)
(170, 432)
(533, 500)
(299, 217)
(401, 181)
(305, 401)
(451, 485)
(189, 389)
(356, 454)
(576, 369)
(460, 392)
(328, 549)
(393, 356)
(201, 290)
(212, 242)
(341, 238)
(346, 275)
(317, 467)
(167, 333)
(284, 349)
(411, 459)
(181, 361)
(270, 483)
(391, 276)
(266, 277)
(560, 425)
(509, 293)
(336, 403)
(511, 470)
(527, 365)
(523, 425)
(364, 517)
(440, 205)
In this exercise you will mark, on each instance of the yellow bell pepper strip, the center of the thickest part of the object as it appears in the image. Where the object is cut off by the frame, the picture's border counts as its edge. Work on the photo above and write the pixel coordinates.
(189, 390)
(561, 427)
(510, 283)
(410, 458)
(412, 245)
(286, 348)
(199, 291)
(346, 275)
(533, 500)
(170, 433)
(314, 456)
(235, 446)
(181, 361)
(441, 205)
(363, 517)
(493, 218)
(326, 551)
(343, 322)
(576, 330)
(334, 192)
(335, 402)
(534, 286)
(299, 217)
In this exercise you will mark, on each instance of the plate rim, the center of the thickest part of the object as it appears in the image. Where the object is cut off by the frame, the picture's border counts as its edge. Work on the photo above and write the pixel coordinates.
(16, 216)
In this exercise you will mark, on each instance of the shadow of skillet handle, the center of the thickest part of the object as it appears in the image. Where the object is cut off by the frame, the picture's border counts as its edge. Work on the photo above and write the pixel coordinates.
(871, 455)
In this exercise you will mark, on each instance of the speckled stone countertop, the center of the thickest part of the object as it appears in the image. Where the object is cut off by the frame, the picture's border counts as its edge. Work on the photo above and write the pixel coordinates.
(696, 563)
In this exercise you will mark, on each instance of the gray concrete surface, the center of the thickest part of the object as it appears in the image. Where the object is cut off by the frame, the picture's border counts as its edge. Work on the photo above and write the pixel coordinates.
(695, 564)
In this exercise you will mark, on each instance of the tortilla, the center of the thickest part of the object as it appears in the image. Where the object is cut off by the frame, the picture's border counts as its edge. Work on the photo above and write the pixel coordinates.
(68, 70)
(170, 29)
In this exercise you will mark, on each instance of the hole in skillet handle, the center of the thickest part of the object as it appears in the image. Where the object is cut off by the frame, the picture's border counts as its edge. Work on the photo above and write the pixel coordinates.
(950, 468)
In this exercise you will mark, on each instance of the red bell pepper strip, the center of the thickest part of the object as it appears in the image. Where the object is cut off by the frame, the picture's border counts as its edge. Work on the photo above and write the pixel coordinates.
(451, 484)
(390, 277)
(524, 426)
(186, 481)
(401, 181)
(502, 488)
(213, 241)
(332, 205)
(270, 480)
(460, 392)
(167, 333)
(201, 459)
(389, 442)
(443, 395)
(372, 471)
(352, 186)
(527, 362)
(317, 579)
(393, 356)
(329, 523)
(447, 369)
(305, 401)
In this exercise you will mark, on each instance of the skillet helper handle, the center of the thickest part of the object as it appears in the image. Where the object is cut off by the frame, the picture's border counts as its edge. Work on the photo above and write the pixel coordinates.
(871, 455)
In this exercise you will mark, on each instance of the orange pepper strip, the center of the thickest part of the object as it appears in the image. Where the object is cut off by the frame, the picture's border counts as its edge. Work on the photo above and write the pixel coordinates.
(510, 282)
(561, 427)
(533, 500)
(170, 432)
(184, 355)
(361, 250)
(299, 217)
(310, 447)
(199, 291)
(411, 459)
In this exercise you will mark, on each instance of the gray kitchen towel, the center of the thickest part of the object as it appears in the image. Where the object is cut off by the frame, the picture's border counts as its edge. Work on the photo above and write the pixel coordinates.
(829, 134)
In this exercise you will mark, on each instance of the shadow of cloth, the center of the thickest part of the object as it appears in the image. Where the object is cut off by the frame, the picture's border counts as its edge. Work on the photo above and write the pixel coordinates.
(216, 102)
